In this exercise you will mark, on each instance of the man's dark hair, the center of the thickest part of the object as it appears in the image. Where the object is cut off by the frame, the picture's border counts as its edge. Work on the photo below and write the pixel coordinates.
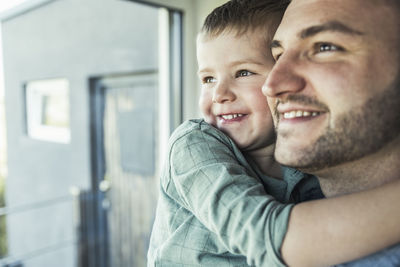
(394, 3)
(242, 15)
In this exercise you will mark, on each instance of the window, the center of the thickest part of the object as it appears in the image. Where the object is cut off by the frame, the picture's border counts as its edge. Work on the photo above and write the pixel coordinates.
(47, 110)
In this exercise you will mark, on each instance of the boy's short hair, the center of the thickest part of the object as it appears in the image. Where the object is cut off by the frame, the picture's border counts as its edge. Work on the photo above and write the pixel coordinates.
(243, 15)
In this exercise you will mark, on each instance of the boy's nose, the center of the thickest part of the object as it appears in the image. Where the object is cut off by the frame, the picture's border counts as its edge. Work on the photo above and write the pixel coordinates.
(284, 78)
(222, 93)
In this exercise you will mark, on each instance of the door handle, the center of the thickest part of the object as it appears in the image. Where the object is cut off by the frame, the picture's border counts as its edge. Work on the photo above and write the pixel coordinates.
(104, 186)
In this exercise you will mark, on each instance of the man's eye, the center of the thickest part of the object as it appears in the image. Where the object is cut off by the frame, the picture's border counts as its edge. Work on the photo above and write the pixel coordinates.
(276, 57)
(243, 73)
(209, 79)
(327, 47)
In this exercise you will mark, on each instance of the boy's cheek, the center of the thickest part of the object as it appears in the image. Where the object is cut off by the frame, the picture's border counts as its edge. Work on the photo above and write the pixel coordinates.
(210, 121)
(205, 103)
(205, 106)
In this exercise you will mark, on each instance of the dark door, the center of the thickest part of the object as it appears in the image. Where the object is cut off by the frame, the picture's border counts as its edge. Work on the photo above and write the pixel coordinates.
(132, 118)
(130, 138)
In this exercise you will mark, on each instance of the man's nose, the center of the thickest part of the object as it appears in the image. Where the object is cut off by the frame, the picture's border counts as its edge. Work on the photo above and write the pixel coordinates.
(284, 78)
(223, 92)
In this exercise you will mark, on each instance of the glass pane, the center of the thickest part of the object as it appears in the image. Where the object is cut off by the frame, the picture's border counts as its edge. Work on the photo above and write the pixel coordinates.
(47, 110)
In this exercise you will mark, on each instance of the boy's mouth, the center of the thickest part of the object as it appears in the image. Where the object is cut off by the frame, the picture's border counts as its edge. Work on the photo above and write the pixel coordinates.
(231, 117)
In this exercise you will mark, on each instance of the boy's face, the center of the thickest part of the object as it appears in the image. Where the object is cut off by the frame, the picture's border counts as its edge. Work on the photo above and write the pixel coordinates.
(232, 70)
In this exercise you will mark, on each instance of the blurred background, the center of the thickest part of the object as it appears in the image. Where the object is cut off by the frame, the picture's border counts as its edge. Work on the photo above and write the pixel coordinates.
(90, 91)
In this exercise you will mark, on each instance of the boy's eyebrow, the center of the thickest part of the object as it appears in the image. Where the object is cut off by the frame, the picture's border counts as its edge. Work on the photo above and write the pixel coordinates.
(234, 63)
(203, 71)
(330, 26)
(246, 61)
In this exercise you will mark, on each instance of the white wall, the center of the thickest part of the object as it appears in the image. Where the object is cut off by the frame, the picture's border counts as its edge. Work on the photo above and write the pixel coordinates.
(204, 7)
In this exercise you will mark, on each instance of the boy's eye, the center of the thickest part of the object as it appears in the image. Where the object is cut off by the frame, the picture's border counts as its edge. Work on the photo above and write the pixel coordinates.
(243, 73)
(209, 79)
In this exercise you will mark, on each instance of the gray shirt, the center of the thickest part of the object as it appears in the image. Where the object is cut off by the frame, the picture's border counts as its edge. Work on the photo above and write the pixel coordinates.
(214, 205)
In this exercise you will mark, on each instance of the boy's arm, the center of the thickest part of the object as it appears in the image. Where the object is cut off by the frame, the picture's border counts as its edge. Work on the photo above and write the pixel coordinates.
(211, 184)
(335, 230)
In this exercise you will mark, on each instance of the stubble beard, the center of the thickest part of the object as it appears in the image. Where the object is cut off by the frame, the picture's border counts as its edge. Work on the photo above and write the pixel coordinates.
(358, 133)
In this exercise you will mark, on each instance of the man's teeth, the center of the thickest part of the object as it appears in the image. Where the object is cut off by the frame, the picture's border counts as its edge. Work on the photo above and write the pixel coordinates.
(231, 116)
(299, 114)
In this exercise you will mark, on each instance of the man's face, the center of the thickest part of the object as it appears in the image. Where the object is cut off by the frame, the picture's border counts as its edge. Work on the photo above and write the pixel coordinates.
(232, 70)
(335, 86)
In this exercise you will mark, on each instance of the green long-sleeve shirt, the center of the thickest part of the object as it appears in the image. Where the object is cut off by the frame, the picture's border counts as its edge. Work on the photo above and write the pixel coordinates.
(214, 208)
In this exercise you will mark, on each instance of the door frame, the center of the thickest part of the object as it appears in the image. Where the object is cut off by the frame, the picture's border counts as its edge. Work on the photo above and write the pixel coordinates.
(189, 30)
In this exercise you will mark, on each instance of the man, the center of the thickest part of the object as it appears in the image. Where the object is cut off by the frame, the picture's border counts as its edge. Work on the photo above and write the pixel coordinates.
(335, 95)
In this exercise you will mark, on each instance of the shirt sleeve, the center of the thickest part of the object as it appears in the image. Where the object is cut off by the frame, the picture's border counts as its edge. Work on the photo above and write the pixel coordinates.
(389, 257)
(214, 186)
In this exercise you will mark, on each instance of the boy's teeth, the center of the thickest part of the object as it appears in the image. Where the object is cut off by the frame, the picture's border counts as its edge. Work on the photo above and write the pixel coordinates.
(299, 114)
(231, 116)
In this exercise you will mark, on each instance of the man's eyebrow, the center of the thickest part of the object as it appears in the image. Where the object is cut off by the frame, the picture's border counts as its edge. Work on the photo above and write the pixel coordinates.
(330, 26)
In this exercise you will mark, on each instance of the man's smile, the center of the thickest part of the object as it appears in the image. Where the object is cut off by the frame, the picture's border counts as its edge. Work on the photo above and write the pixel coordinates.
(299, 114)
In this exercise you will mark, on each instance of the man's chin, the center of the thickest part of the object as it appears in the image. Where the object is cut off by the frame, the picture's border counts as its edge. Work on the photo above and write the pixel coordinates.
(285, 156)
(301, 166)
(307, 160)
(297, 158)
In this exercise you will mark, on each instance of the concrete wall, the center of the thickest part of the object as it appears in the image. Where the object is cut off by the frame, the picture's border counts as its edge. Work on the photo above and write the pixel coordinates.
(76, 40)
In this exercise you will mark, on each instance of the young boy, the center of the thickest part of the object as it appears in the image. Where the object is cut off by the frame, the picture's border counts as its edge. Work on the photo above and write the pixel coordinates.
(220, 201)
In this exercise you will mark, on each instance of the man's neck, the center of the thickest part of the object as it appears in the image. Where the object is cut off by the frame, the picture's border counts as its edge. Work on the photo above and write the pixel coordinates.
(365, 173)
